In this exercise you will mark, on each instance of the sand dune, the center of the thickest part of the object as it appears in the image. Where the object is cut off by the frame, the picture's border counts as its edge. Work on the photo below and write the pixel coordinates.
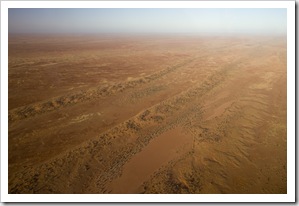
(148, 115)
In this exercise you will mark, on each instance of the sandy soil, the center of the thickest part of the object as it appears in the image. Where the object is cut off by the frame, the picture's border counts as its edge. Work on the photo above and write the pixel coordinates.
(147, 114)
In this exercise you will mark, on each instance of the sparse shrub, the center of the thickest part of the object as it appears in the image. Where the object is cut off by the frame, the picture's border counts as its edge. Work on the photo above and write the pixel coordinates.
(144, 115)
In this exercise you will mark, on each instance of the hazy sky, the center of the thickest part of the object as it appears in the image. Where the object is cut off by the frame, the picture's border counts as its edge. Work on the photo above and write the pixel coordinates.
(218, 21)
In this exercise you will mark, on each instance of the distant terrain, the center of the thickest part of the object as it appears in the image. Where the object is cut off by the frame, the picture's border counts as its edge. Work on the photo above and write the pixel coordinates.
(147, 114)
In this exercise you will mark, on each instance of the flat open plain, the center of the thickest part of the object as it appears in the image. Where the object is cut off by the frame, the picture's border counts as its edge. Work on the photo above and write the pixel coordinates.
(147, 114)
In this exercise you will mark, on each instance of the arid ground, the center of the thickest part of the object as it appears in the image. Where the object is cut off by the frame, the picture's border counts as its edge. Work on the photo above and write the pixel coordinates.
(147, 114)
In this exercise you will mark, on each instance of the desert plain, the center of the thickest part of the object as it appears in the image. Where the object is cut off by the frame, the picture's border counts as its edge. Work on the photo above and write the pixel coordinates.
(139, 114)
